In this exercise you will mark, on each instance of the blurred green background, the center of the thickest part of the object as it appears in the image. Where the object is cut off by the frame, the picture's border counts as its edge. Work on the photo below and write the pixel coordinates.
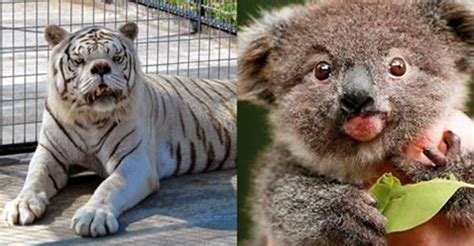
(253, 132)
(252, 126)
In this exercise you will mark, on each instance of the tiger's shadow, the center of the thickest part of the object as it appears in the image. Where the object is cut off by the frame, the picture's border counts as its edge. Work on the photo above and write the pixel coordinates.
(202, 200)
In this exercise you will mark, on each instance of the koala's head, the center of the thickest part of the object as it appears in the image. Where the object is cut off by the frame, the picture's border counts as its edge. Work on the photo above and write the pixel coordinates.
(94, 68)
(353, 76)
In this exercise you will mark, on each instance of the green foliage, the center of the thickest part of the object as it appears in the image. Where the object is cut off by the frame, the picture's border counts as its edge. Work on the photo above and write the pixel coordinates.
(222, 10)
(248, 9)
(408, 206)
(253, 136)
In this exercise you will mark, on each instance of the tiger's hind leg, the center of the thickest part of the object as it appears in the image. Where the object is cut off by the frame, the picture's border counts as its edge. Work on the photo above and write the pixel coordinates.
(47, 174)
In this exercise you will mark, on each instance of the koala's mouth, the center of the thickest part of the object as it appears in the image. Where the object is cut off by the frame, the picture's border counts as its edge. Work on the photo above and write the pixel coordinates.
(365, 127)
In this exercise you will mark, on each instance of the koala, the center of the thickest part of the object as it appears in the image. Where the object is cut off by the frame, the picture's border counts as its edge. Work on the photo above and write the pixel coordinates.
(348, 84)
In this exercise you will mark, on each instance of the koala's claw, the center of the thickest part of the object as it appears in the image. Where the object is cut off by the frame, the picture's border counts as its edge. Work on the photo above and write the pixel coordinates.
(453, 142)
(436, 156)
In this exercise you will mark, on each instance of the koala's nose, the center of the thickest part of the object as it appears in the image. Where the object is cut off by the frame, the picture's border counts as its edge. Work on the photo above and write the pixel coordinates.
(358, 90)
(356, 102)
(101, 68)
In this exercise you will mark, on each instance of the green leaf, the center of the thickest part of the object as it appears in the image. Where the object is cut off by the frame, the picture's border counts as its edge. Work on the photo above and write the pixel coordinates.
(408, 206)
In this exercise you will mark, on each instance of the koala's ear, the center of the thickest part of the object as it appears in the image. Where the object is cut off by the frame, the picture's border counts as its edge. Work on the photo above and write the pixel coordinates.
(129, 30)
(54, 35)
(256, 43)
(456, 17)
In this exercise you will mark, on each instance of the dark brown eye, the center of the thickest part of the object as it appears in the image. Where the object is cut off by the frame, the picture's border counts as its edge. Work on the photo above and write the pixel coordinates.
(78, 62)
(322, 71)
(398, 67)
(118, 59)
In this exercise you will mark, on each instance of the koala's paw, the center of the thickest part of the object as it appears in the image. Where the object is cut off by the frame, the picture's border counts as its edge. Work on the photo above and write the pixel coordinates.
(460, 208)
(454, 161)
(94, 220)
(361, 223)
(26, 208)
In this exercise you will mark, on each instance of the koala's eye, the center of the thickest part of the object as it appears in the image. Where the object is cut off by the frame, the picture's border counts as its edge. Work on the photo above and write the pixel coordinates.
(78, 61)
(118, 59)
(398, 67)
(322, 71)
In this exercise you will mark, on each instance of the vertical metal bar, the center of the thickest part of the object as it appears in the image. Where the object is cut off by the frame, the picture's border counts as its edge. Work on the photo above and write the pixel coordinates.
(219, 40)
(24, 72)
(105, 10)
(1, 74)
(82, 13)
(13, 72)
(197, 26)
(115, 14)
(126, 10)
(47, 13)
(190, 26)
(158, 12)
(93, 12)
(70, 16)
(199, 38)
(147, 35)
(168, 46)
(59, 2)
(36, 74)
(179, 45)
(209, 48)
(229, 35)
(137, 22)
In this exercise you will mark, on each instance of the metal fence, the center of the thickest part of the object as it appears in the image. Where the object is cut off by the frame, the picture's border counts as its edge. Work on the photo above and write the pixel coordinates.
(182, 37)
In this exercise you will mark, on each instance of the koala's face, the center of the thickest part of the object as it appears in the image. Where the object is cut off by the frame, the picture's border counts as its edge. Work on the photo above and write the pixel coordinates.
(347, 76)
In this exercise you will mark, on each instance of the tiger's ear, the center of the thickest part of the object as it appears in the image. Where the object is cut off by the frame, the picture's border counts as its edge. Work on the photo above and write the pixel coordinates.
(129, 30)
(456, 18)
(54, 35)
(256, 44)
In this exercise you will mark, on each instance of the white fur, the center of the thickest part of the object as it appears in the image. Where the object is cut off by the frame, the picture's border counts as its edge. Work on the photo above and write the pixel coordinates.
(140, 144)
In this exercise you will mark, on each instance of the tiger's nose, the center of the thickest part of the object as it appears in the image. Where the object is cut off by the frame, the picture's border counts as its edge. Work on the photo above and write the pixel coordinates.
(101, 69)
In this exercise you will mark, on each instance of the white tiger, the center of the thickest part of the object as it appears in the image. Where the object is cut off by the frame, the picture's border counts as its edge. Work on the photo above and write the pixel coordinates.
(105, 114)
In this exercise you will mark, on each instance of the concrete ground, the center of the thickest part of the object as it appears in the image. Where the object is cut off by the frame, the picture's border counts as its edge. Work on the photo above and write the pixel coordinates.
(189, 210)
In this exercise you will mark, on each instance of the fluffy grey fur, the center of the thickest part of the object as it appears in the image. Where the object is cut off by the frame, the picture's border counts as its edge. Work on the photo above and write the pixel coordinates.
(309, 189)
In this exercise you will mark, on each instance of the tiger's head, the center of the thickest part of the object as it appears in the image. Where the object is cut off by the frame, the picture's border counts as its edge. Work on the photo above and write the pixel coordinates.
(93, 71)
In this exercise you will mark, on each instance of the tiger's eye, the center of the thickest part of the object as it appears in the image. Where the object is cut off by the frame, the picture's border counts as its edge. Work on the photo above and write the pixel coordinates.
(322, 71)
(117, 59)
(78, 61)
(398, 67)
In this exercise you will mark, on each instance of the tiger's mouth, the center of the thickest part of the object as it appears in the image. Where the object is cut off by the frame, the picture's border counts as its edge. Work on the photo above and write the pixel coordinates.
(103, 94)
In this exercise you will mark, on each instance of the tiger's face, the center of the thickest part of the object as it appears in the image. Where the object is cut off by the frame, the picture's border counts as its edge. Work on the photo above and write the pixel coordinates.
(95, 67)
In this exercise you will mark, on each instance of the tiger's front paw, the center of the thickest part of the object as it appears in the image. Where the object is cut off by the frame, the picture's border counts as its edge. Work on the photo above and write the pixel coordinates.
(94, 220)
(26, 208)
